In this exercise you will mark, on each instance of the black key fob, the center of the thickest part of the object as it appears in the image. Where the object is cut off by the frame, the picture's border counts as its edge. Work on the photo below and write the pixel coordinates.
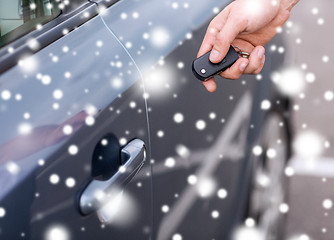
(203, 69)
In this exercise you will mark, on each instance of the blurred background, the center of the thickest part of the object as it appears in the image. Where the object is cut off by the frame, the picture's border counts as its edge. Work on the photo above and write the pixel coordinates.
(311, 187)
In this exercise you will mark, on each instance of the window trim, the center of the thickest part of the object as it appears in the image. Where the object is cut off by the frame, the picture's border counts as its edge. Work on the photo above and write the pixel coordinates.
(11, 53)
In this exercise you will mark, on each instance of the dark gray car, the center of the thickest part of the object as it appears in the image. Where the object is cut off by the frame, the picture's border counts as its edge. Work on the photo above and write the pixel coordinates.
(106, 134)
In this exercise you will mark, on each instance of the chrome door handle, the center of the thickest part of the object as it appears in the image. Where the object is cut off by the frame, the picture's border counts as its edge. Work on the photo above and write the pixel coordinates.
(97, 193)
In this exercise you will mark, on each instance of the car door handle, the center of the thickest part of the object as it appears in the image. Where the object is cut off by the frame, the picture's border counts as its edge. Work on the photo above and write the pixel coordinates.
(97, 193)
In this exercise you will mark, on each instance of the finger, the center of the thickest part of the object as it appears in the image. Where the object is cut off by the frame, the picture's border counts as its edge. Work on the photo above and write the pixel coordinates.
(236, 70)
(257, 71)
(213, 29)
(225, 37)
(210, 85)
(255, 60)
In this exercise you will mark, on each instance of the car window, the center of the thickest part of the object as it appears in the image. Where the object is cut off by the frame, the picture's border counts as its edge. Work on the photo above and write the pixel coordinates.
(18, 17)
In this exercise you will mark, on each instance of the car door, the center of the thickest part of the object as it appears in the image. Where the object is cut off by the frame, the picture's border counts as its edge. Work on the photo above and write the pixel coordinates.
(193, 149)
(199, 140)
(74, 132)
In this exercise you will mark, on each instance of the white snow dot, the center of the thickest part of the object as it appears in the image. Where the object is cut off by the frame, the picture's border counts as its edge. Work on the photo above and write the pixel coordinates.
(41, 162)
(215, 10)
(160, 133)
(10, 50)
(58, 94)
(46, 79)
(290, 81)
(189, 36)
(170, 162)
(73, 149)
(124, 16)
(327, 203)
(123, 141)
(180, 65)
(135, 15)
(104, 142)
(327, 144)
(175, 5)
(273, 47)
(328, 95)
(55, 59)
(122, 169)
(257, 150)
(182, 150)
(70, 182)
(146, 36)
(192, 179)
(304, 237)
(119, 64)
(279, 29)
(5, 95)
(55, 106)
(89, 120)
(2, 212)
(159, 37)
(308, 144)
(33, 44)
(177, 236)
(250, 222)
(283, 208)
(12, 167)
(57, 232)
(321, 21)
(289, 171)
(99, 43)
(24, 128)
(178, 117)
(212, 115)
(310, 77)
(215, 214)
(18, 97)
(26, 115)
(281, 50)
(222, 193)
(90, 109)
(165, 208)
(271, 153)
(132, 104)
(67, 74)
(200, 124)
(128, 45)
(54, 178)
(67, 129)
(65, 49)
(206, 187)
(315, 11)
(265, 105)
(116, 83)
(325, 59)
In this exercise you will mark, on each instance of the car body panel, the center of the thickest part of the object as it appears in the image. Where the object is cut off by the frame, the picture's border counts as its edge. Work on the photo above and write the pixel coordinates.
(83, 78)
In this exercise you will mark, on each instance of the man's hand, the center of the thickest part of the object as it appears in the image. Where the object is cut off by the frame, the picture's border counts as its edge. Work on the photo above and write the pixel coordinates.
(249, 25)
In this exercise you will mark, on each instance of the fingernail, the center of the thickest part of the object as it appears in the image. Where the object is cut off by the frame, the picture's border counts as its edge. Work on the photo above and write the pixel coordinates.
(243, 66)
(214, 55)
(260, 53)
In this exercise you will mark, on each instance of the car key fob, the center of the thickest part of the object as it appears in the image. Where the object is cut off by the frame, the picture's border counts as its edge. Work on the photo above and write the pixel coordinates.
(203, 69)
